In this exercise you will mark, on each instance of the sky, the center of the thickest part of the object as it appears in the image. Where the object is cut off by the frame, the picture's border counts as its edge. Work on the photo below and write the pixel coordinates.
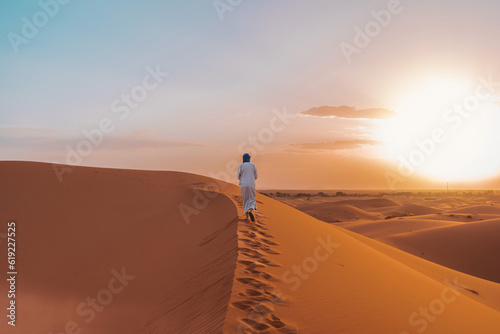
(323, 94)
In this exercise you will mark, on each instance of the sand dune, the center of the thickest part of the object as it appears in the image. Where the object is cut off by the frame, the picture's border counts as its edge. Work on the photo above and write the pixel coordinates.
(367, 204)
(478, 209)
(458, 217)
(388, 227)
(323, 292)
(411, 210)
(76, 237)
(471, 248)
(286, 273)
(485, 292)
(332, 212)
(445, 203)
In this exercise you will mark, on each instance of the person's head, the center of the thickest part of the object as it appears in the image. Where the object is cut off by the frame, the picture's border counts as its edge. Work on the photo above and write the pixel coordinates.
(246, 157)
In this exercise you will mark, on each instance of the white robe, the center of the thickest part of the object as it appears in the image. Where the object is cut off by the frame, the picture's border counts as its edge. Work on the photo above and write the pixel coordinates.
(247, 174)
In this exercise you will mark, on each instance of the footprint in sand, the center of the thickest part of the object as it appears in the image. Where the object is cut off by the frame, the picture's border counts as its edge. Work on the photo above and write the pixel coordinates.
(259, 299)
(268, 250)
(249, 234)
(250, 252)
(258, 231)
(262, 244)
(252, 296)
(276, 322)
(252, 265)
(266, 234)
(271, 321)
(267, 262)
(257, 284)
(245, 305)
(261, 274)
(252, 293)
(255, 325)
(252, 243)
(269, 242)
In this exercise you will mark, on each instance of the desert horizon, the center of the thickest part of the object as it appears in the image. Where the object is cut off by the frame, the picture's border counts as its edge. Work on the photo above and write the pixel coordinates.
(378, 192)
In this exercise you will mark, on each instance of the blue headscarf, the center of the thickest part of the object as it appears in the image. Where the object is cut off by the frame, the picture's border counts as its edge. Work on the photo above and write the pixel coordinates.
(246, 157)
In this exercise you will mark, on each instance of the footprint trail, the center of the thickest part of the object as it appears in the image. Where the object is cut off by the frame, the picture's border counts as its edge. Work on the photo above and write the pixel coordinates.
(259, 296)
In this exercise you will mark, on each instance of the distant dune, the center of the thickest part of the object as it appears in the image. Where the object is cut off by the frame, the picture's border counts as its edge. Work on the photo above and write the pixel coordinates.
(472, 248)
(332, 212)
(388, 227)
(121, 239)
(411, 209)
(369, 203)
(479, 209)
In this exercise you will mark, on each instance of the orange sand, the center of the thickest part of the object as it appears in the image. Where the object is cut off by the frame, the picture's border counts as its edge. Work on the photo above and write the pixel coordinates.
(287, 273)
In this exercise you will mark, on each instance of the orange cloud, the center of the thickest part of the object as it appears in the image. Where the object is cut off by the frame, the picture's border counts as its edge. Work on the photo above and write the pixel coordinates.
(56, 140)
(337, 145)
(349, 112)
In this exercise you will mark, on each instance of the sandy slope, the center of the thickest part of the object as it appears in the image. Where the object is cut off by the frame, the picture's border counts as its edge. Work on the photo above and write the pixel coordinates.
(388, 227)
(457, 217)
(354, 289)
(471, 248)
(367, 204)
(479, 209)
(411, 210)
(331, 212)
(339, 210)
(486, 292)
(287, 273)
(73, 237)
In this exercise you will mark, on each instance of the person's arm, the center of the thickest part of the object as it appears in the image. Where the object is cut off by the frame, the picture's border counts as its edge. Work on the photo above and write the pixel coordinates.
(239, 173)
(255, 172)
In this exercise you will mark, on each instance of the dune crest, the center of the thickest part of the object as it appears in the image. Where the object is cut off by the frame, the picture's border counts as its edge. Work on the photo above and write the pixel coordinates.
(73, 235)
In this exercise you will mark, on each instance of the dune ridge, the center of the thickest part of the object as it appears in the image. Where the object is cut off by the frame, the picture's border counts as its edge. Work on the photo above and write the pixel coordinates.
(411, 209)
(73, 234)
(332, 213)
(388, 227)
(478, 209)
(374, 203)
(471, 248)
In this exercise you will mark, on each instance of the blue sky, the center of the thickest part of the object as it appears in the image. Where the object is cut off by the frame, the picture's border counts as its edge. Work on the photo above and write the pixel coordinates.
(225, 77)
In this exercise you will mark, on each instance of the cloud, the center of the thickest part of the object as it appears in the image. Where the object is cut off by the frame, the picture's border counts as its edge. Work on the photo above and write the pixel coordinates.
(349, 112)
(27, 131)
(337, 145)
(55, 140)
(121, 143)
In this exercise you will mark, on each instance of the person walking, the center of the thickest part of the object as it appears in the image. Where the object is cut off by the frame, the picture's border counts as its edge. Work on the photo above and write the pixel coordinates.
(247, 174)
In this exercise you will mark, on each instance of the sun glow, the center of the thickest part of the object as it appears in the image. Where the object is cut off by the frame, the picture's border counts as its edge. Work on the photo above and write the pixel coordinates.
(445, 129)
